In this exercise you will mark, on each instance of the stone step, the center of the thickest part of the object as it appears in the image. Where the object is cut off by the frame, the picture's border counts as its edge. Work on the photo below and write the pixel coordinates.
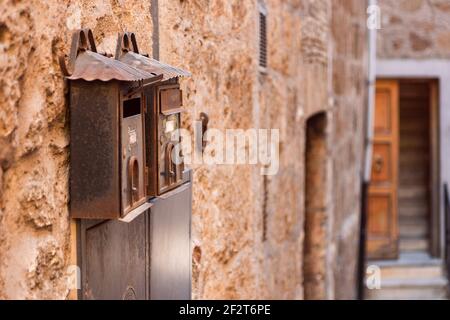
(412, 177)
(412, 272)
(419, 201)
(413, 114)
(413, 129)
(410, 166)
(414, 140)
(411, 218)
(413, 159)
(413, 228)
(408, 294)
(418, 148)
(413, 245)
(417, 142)
(408, 210)
(413, 192)
(416, 259)
(410, 289)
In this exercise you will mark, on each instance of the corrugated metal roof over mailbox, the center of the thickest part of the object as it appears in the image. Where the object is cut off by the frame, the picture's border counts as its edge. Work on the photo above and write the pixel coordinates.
(90, 66)
(153, 66)
(128, 52)
(85, 63)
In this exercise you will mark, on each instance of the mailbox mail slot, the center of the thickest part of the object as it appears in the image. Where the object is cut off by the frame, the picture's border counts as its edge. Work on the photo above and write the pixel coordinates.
(133, 154)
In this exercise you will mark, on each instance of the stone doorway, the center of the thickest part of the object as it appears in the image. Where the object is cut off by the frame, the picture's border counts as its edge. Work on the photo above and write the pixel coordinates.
(315, 242)
(416, 270)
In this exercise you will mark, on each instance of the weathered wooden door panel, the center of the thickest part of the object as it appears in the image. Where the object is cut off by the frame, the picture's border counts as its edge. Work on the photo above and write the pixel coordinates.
(382, 242)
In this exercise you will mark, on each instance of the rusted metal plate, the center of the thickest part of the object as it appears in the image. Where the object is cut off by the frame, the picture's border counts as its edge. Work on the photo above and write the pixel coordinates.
(147, 258)
(94, 151)
(170, 238)
(152, 66)
(115, 260)
(90, 66)
(171, 100)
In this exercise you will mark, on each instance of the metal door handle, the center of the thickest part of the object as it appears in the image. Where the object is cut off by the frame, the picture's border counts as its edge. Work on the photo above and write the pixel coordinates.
(378, 163)
(171, 169)
(133, 178)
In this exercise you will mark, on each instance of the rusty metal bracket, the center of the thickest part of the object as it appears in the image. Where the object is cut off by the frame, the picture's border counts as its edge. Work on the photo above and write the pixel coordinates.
(126, 42)
(133, 179)
(171, 170)
(205, 121)
(201, 126)
(82, 40)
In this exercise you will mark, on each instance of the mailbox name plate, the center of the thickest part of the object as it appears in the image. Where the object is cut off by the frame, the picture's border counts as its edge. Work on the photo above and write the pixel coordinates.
(171, 100)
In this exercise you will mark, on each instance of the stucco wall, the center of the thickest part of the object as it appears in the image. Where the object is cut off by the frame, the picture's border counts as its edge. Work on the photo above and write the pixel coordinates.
(247, 229)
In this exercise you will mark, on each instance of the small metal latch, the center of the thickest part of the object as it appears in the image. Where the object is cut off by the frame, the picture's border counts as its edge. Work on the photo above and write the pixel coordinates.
(170, 166)
(82, 40)
(201, 144)
(133, 176)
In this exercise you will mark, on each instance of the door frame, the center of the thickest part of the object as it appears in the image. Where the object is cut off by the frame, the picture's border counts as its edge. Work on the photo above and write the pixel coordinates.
(430, 70)
(435, 186)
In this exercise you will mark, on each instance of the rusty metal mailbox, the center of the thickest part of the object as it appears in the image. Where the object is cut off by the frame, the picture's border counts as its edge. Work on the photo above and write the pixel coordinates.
(134, 199)
(164, 99)
(107, 152)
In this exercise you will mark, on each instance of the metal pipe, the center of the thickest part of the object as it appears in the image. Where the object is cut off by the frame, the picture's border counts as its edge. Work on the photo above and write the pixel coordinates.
(155, 22)
(368, 150)
(371, 99)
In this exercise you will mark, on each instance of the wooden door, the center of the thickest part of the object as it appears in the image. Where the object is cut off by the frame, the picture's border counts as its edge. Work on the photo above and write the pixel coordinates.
(382, 241)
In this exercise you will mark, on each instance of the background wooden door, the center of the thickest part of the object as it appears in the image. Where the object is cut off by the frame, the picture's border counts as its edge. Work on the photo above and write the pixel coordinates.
(382, 241)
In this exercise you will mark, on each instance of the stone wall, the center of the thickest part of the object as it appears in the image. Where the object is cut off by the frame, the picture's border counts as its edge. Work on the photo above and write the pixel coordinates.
(349, 96)
(35, 242)
(414, 29)
(248, 229)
